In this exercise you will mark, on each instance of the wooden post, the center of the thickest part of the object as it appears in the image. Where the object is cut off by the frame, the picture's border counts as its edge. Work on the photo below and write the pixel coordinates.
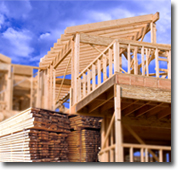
(54, 90)
(142, 155)
(147, 62)
(169, 65)
(102, 138)
(37, 98)
(76, 65)
(129, 58)
(104, 68)
(31, 91)
(142, 60)
(72, 75)
(51, 88)
(99, 71)
(135, 61)
(118, 125)
(93, 76)
(157, 63)
(110, 62)
(131, 154)
(160, 155)
(111, 151)
(116, 56)
(146, 155)
(154, 32)
(9, 92)
(46, 89)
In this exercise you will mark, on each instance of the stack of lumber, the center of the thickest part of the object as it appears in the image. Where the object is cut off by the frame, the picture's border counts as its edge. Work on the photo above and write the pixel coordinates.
(35, 135)
(84, 139)
(80, 121)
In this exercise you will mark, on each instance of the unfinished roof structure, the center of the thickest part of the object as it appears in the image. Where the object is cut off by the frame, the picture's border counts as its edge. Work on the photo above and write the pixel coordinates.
(117, 76)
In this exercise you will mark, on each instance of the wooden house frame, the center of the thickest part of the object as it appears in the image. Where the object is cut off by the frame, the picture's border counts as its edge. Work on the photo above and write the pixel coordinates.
(110, 73)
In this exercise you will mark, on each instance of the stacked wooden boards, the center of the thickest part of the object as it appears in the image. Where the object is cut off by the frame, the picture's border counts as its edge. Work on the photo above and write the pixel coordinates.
(35, 135)
(84, 139)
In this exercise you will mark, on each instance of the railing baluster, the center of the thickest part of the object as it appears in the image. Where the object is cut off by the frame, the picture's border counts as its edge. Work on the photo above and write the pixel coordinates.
(99, 71)
(157, 63)
(110, 62)
(104, 68)
(135, 61)
(146, 155)
(142, 155)
(129, 58)
(84, 85)
(88, 81)
(160, 155)
(142, 58)
(131, 154)
(147, 59)
(93, 76)
(116, 56)
(169, 65)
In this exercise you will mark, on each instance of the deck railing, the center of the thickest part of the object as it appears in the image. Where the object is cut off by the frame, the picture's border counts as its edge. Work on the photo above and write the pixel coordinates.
(129, 57)
(147, 153)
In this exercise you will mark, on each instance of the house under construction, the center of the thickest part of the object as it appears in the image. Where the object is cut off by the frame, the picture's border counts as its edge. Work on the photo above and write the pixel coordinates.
(114, 75)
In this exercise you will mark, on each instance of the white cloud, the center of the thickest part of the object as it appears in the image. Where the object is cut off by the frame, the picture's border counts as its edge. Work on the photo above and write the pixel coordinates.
(114, 13)
(44, 35)
(20, 41)
(1, 20)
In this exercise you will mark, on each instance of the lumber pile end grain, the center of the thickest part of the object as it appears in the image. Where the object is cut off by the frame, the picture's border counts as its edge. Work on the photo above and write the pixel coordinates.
(84, 139)
(35, 135)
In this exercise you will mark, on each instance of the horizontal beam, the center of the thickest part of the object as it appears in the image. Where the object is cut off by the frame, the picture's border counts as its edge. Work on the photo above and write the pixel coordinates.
(105, 41)
(112, 24)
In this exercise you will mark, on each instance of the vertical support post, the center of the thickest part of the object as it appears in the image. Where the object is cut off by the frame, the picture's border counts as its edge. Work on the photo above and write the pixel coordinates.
(129, 58)
(104, 68)
(9, 92)
(46, 89)
(38, 85)
(169, 65)
(102, 138)
(110, 62)
(142, 155)
(84, 85)
(116, 56)
(152, 32)
(135, 61)
(160, 155)
(112, 150)
(118, 125)
(146, 155)
(76, 65)
(93, 76)
(51, 87)
(71, 98)
(31, 95)
(54, 90)
(142, 58)
(131, 154)
(147, 62)
(157, 63)
(99, 71)
(88, 81)
(72, 75)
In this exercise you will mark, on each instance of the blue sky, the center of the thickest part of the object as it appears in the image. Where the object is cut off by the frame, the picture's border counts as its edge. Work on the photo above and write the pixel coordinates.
(28, 29)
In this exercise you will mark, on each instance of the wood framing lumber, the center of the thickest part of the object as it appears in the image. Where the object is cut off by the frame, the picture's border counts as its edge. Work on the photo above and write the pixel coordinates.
(112, 23)
(140, 141)
(105, 41)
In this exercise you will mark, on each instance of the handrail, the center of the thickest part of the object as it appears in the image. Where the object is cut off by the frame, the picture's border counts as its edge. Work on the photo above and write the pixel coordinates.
(154, 147)
(95, 60)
